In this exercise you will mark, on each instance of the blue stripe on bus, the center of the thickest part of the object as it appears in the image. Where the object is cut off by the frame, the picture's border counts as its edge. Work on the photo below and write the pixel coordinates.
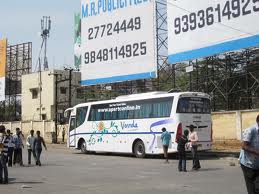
(121, 133)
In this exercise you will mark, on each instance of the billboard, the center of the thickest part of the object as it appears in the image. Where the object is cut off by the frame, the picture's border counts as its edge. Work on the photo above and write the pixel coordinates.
(117, 41)
(203, 28)
(3, 45)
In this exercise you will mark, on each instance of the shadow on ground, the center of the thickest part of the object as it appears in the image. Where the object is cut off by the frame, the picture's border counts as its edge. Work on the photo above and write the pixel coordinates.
(203, 155)
(13, 181)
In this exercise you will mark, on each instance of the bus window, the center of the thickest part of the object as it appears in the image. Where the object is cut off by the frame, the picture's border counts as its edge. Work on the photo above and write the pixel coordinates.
(81, 115)
(139, 109)
(193, 105)
(72, 124)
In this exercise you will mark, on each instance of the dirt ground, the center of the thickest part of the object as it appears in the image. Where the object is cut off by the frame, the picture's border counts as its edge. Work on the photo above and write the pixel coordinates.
(227, 145)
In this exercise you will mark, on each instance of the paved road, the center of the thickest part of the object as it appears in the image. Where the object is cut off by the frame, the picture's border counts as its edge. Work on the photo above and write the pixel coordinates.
(68, 172)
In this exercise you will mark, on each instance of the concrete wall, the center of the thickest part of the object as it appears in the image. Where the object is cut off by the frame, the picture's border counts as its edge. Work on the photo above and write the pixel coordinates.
(229, 125)
(45, 127)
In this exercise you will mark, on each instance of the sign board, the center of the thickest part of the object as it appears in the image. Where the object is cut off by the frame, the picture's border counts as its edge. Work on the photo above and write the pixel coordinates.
(203, 28)
(117, 41)
(189, 69)
(3, 47)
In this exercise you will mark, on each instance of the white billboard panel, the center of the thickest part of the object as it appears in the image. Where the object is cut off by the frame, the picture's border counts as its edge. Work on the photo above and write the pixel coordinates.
(117, 40)
(203, 28)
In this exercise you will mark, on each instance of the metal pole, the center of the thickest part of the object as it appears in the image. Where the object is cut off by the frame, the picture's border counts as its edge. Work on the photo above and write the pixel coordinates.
(70, 87)
(40, 85)
(45, 53)
(56, 107)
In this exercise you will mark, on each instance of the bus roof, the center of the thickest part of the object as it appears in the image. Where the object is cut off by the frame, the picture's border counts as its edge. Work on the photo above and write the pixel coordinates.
(147, 95)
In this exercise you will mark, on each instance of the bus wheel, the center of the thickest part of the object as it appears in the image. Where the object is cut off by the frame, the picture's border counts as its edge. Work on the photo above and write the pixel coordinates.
(83, 147)
(139, 149)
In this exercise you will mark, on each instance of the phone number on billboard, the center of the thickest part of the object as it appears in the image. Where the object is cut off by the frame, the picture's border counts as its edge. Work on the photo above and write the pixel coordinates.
(230, 10)
(114, 28)
(125, 51)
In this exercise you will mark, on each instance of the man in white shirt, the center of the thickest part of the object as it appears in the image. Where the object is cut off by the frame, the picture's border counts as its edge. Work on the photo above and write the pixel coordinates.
(193, 139)
(10, 148)
(29, 143)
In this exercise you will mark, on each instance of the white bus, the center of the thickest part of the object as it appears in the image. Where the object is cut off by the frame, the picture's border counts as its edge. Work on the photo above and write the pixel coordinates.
(133, 123)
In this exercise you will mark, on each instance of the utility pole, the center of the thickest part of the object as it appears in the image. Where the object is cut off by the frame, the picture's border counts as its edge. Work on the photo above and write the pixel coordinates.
(56, 104)
(70, 85)
(56, 107)
(57, 81)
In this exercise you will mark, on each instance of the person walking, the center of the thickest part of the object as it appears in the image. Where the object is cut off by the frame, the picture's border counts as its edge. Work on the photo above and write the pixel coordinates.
(10, 148)
(3, 156)
(63, 134)
(18, 145)
(29, 143)
(182, 141)
(165, 137)
(37, 146)
(249, 157)
(193, 139)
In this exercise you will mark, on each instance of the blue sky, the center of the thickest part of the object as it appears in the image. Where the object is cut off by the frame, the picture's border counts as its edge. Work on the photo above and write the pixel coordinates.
(20, 22)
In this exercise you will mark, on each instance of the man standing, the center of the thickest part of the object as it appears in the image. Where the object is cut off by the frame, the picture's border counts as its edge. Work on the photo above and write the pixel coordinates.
(3, 156)
(29, 143)
(37, 147)
(182, 140)
(63, 134)
(193, 139)
(249, 157)
(18, 145)
(165, 137)
(10, 148)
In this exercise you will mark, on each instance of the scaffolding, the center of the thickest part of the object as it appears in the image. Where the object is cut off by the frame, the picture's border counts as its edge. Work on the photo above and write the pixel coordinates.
(231, 79)
(19, 62)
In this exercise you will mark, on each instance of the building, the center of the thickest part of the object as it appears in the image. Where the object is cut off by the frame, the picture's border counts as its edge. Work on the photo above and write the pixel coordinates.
(38, 105)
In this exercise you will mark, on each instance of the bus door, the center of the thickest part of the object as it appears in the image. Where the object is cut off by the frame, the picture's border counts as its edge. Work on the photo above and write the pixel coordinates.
(72, 132)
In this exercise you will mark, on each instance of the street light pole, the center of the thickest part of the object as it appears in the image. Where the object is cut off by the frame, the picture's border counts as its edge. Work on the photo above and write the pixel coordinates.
(70, 85)
(56, 107)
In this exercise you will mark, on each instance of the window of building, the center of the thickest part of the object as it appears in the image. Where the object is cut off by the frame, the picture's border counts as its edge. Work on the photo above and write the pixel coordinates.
(34, 93)
(44, 117)
(63, 90)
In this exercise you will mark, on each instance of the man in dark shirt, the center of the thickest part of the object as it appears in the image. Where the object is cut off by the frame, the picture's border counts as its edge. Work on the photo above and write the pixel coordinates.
(37, 147)
(3, 156)
(182, 140)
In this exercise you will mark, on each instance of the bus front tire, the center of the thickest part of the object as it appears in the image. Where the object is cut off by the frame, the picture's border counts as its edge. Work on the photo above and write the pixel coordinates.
(83, 147)
(139, 149)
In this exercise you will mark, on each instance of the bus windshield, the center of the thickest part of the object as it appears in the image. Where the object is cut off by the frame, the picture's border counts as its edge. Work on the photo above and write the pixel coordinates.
(193, 105)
